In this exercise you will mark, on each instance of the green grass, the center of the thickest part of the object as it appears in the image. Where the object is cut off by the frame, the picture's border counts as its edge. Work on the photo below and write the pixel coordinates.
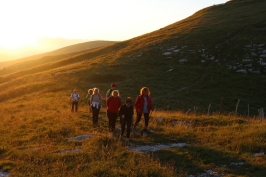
(40, 131)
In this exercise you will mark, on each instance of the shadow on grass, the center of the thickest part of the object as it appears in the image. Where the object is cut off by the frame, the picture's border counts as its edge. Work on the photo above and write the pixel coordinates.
(197, 159)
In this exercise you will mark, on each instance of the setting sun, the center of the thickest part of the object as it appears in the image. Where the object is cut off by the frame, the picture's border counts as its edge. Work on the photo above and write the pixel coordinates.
(17, 41)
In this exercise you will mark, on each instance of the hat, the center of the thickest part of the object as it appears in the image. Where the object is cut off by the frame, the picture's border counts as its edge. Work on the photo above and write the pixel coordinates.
(113, 85)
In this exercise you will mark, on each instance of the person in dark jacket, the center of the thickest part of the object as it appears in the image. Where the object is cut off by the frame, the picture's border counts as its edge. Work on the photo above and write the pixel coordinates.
(143, 106)
(126, 115)
(113, 104)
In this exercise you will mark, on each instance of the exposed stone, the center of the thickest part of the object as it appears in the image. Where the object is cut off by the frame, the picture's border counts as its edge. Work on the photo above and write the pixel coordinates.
(248, 65)
(4, 174)
(258, 154)
(212, 58)
(242, 71)
(153, 148)
(167, 53)
(254, 54)
(237, 163)
(80, 138)
(254, 71)
(183, 60)
(246, 60)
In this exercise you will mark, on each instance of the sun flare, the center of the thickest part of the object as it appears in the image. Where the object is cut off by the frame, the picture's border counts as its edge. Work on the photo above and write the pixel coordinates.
(16, 42)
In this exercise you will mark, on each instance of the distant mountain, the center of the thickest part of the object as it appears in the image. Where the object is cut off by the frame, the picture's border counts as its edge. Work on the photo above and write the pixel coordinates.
(65, 50)
(42, 45)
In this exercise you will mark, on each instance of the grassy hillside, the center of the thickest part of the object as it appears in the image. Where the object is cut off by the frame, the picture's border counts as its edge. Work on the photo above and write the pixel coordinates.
(217, 43)
(212, 41)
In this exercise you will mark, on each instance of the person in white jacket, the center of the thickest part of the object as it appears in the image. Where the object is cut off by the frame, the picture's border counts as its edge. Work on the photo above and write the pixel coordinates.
(74, 98)
(96, 100)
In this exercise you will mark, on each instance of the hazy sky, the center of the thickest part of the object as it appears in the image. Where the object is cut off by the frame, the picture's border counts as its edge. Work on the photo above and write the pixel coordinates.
(23, 21)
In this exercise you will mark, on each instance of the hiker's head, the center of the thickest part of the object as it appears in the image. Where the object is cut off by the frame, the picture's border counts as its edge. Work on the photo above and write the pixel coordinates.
(113, 86)
(115, 93)
(74, 90)
(96, 91)
(90, 91)
(145, 91)
(128, 101)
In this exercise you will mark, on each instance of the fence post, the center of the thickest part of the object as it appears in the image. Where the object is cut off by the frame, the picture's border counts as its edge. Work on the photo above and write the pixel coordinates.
(221, 104)
(261, 114)
(209, 109)
(248, 114)
(195, 110)
(237, 106)
(188, 111)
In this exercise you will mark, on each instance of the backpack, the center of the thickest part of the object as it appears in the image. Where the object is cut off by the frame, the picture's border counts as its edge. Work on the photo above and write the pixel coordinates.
(109, 92)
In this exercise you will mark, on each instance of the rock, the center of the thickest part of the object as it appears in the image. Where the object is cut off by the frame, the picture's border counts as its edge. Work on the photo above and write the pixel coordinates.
(253, 71)
(261, 45)
(254, 54)
(258, 154)
(246, 60)
(242, 71)
(167, 53)
(212, 58)
(80, 138)
(183, 60)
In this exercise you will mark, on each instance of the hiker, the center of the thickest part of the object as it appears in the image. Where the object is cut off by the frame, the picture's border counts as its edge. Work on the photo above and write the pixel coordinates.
(143, 105)
(88, 98)
(113, 104)
(109, 91)
(74, 98)
(95, 101)
(126, 116)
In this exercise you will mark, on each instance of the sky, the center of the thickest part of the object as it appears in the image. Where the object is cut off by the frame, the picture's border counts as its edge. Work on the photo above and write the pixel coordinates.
(24, 22)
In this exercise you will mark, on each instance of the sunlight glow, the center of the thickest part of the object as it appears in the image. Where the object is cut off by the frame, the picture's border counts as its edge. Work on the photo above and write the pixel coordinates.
(17, 41)
(23, 23)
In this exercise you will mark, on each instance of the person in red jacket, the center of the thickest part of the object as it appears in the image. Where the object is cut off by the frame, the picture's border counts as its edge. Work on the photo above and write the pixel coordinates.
(143, 106)
(113, 104)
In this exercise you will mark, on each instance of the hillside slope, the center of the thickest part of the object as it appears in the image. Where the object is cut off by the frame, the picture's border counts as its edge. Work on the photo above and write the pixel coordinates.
(213, 58)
